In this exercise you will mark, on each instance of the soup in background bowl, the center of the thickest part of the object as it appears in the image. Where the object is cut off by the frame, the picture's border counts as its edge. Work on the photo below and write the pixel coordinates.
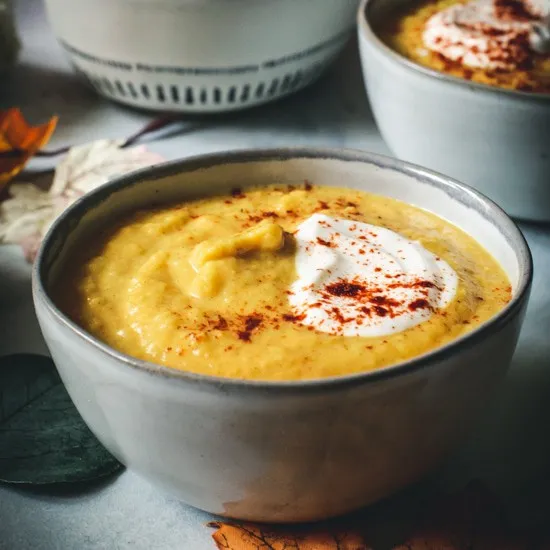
(249, 446)
(492, 42)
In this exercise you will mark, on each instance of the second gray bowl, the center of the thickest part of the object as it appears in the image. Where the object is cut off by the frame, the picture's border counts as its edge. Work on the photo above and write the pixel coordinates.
(495, 140)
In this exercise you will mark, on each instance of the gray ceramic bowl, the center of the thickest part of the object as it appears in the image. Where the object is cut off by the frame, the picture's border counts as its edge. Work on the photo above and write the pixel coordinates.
(290, 451)
(496, 140)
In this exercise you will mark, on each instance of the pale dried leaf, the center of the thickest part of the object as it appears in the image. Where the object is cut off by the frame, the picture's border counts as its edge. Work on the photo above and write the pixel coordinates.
(28, 213)
(30, 245)
(88, 166)
(25, 213)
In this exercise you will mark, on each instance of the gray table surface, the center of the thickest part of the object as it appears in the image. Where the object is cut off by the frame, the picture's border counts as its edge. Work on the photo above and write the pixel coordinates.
(510, 449)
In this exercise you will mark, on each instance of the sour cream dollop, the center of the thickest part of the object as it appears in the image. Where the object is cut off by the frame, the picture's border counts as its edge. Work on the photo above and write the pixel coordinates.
(488, 34)
(357, 279)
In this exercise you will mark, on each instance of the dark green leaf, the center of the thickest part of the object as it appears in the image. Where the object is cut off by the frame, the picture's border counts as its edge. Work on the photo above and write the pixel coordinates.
(43, 439)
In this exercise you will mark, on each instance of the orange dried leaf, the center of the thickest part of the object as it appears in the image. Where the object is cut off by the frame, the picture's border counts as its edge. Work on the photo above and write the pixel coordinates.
(23, 140)
(254, 537)
(472, 519)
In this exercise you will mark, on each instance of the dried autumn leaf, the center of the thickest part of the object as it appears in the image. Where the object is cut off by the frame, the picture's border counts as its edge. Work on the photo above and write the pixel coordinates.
(29, 211)
(472, 519)
(88, 166)
(25, 216)
(17, 137)
(253, 537)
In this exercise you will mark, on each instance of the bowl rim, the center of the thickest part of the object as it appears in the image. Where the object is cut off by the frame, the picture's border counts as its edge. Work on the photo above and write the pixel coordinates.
(485, 206)
(366, 31)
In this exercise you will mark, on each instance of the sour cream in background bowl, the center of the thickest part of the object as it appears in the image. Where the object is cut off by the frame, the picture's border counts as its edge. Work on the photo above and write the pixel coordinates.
(278, 451)
(494, 139)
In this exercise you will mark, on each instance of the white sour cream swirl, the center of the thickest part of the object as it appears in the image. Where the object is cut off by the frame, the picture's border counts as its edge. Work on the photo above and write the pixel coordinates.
(357, 279)
(487, 34)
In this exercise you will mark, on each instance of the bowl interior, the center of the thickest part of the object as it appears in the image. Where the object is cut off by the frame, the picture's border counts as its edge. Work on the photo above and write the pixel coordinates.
(215, 174)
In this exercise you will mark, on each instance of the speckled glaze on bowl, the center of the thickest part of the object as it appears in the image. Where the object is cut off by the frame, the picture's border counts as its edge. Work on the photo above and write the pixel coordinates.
(276, 451)
(495, 140)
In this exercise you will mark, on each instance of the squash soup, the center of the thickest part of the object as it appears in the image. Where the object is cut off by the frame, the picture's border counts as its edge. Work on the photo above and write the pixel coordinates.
(282, 283)
(493, 42)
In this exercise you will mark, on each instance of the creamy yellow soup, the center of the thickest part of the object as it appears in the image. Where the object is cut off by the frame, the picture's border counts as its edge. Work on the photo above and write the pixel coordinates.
(404, 34)
(203, 286)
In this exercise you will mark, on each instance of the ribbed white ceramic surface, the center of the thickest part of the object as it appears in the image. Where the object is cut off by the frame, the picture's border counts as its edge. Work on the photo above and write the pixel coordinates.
(201, 55)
